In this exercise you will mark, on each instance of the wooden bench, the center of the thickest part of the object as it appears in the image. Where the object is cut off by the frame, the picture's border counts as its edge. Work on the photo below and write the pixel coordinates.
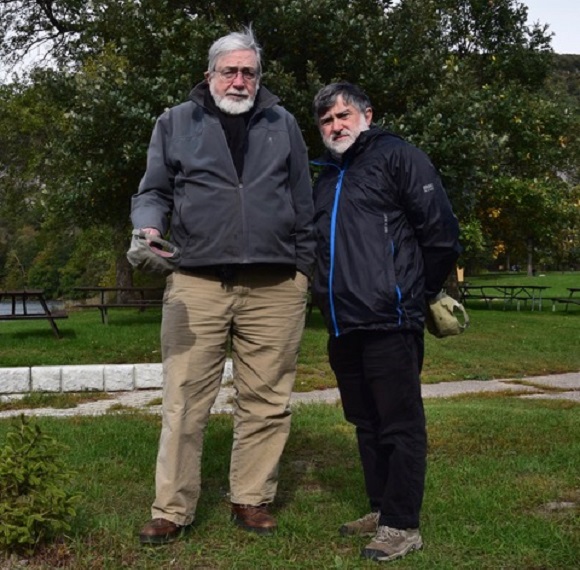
(104, 308)
(564, 301)
(490, 298)
(509, 294)
(103, 305)
(22, 298)
(479, 297)
(570, 300)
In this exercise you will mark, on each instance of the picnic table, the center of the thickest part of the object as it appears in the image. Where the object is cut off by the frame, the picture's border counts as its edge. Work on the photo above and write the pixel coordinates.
(108, 299)
(570, 299)
(20, 309)
(508, 294)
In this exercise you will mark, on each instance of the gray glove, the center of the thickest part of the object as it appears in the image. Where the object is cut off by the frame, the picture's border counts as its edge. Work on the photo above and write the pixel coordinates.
(151, 254)
(441, 319)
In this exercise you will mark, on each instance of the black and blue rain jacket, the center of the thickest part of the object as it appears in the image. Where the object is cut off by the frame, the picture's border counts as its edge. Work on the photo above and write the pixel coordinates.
(386, 235)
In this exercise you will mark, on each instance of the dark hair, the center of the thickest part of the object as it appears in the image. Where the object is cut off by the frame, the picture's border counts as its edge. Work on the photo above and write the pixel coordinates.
(351, 95)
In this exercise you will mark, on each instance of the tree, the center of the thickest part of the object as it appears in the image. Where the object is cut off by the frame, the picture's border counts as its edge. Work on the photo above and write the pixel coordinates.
(489, 114)
(453, 76)
(523, 220)
(28, 122)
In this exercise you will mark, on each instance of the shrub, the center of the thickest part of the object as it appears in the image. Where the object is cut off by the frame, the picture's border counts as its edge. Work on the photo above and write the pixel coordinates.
(34, 502)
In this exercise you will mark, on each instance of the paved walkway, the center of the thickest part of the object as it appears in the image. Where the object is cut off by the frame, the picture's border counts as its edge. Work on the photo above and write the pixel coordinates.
(561, 387)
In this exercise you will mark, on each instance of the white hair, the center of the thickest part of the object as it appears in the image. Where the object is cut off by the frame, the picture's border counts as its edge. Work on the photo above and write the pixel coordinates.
(232, 42)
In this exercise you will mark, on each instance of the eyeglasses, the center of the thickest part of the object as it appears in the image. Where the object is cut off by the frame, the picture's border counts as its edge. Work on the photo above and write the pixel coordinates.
(230, 73)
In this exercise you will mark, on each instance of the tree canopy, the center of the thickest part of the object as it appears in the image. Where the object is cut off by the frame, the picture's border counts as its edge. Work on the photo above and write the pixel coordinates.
(469, 81)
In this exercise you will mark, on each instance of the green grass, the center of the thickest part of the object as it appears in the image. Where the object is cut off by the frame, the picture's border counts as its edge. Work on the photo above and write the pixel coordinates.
(558, 282)
(496, 463)
(495, 466)
(59, 401)
(130, 337)
(498, 344)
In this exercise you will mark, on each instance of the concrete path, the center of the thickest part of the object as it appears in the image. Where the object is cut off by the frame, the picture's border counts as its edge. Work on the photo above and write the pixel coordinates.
(561, 387)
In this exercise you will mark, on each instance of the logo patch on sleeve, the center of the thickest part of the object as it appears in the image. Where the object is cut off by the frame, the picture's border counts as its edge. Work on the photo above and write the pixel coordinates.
(429, 187)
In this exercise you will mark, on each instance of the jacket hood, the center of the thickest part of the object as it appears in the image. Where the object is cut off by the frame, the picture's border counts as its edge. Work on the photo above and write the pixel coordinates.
(264, 99)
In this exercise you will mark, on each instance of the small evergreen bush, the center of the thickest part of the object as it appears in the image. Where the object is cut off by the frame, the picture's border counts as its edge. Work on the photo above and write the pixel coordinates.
(34, 502)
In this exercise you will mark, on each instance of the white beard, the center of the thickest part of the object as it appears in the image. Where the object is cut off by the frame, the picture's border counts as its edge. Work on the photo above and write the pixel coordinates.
(232, 106)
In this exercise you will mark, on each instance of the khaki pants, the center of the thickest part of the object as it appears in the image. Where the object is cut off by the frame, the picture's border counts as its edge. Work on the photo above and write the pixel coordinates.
(264, 309)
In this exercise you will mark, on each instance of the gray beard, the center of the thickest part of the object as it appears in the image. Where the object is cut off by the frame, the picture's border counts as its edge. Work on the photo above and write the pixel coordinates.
(338, 149)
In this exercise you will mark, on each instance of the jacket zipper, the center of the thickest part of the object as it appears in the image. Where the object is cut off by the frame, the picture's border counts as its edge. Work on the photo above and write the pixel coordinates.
(245, 233)
(337, 192)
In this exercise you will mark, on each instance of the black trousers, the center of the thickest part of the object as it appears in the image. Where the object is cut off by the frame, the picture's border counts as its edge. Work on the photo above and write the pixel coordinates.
(378, 375)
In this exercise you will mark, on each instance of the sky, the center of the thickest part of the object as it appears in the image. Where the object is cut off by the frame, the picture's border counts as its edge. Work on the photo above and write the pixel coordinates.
(563, 17)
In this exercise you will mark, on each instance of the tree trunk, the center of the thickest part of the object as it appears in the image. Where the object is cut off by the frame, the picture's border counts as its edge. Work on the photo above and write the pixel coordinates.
(530, 245)
(123, 269)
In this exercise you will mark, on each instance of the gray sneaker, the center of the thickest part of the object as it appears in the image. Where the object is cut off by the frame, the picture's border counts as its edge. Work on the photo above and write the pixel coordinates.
(365, 526)
(391, 543)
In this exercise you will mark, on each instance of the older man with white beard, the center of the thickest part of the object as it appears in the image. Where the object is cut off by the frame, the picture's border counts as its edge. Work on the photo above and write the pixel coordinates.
(227, 181)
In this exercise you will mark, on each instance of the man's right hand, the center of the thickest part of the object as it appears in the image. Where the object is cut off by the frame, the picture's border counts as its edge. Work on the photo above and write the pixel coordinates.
(155, 232)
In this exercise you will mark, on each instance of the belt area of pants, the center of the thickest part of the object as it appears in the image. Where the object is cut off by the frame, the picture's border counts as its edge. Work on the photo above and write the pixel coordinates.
(228, 273)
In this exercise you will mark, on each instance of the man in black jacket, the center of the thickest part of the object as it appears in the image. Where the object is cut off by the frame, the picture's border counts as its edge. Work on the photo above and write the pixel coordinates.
(386, 241)
(227, 177)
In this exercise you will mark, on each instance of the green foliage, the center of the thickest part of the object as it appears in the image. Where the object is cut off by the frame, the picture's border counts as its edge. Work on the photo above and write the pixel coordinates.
(523, 211)
(567, 73)
(58, 258)
(21, 248)
(474, 244)
(91, 259)
(34, 503)
(467, 80)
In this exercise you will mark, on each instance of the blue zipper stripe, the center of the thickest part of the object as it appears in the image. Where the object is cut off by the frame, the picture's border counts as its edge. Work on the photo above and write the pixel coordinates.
(399, 308)
(337, 191)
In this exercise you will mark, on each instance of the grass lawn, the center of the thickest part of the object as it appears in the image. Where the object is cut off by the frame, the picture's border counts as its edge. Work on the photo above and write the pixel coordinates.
(502, 474)
(498, 344)
(502, 486)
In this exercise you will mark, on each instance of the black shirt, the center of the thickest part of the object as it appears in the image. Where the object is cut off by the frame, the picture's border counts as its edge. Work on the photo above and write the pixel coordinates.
(235, 128)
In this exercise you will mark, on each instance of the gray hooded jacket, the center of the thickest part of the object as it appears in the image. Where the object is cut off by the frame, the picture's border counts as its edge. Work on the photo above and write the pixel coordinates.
(191, 188)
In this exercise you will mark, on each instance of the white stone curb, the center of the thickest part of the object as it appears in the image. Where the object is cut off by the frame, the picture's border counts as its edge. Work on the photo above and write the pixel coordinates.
(92, 377)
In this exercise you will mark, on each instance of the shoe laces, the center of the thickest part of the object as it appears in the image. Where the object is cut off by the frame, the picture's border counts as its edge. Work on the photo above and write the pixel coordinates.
(385, 533)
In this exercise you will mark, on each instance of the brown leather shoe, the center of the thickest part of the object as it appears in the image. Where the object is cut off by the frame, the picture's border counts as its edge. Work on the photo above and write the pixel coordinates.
(254, 518)
(160, 531)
